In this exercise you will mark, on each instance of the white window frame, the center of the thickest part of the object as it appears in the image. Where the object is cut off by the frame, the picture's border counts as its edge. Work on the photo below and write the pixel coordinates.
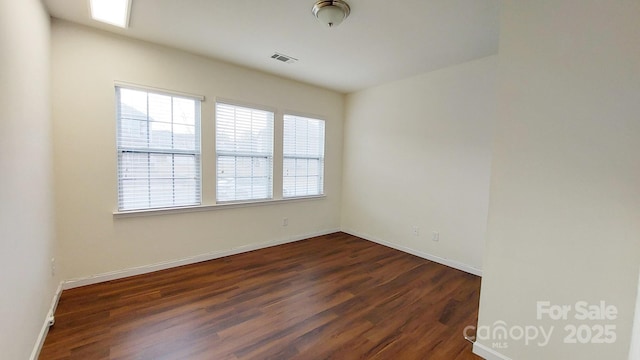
(268, 156)
(302, 155)
(123, 149)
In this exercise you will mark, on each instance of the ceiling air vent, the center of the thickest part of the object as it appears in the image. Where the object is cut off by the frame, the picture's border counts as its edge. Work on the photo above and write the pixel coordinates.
(284, 58)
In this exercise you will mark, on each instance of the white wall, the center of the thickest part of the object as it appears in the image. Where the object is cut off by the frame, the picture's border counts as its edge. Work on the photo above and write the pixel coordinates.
(418, 153)
(26, 183)
(85, 65)
(564, 221)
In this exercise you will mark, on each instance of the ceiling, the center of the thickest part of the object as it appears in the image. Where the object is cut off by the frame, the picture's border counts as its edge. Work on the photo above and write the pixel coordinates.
(380, 41)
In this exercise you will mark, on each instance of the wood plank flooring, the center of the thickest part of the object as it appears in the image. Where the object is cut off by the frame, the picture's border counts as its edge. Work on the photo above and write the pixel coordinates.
(330, 297)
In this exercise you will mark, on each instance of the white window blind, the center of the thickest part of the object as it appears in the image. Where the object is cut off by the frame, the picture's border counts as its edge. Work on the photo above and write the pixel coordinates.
(303, 162)
(158, 142)
(244, 150)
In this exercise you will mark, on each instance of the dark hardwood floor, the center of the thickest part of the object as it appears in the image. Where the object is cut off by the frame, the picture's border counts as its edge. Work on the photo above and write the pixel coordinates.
(330, 297)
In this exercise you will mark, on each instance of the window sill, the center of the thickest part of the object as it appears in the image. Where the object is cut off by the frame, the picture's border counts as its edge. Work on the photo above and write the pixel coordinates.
(199, 208)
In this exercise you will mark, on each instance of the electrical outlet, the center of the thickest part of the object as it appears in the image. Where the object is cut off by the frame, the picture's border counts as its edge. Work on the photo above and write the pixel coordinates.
(416, 231)
(435, 236)
(53, 266)
(285, 221)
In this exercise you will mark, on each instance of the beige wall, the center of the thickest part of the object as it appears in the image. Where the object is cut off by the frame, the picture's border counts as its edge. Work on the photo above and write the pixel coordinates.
(85, 65)
(418, 153)
(26, 182)
(564, 221)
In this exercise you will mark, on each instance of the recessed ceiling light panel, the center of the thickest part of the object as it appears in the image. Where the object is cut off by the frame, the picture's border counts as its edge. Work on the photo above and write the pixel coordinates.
(113, 12)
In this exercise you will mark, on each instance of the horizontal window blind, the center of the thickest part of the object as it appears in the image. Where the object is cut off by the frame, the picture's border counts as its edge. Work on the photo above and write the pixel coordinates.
(303, 160)
(158, 143)
(244, 153)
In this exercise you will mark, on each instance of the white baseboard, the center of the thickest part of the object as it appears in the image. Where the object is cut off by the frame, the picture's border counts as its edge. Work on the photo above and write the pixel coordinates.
(48, 321)
(450, 263)
(488, 353)
(119, 274)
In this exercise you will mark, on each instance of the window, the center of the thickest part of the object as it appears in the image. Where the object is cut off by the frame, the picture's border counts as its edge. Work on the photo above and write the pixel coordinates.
(158, 142)
(244, 152)
(303, 162)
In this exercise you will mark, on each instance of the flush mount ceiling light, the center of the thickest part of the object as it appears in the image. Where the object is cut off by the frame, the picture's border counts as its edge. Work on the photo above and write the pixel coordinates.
(331, 12)
(113, 12)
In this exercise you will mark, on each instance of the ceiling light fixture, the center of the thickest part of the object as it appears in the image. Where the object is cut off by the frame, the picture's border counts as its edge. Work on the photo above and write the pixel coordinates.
(113, 12)
(331, 12)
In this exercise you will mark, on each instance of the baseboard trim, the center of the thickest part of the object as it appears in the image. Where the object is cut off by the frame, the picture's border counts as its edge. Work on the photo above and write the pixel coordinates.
(119, 274)
(488, 353)
(447, 262)
(48, 321)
